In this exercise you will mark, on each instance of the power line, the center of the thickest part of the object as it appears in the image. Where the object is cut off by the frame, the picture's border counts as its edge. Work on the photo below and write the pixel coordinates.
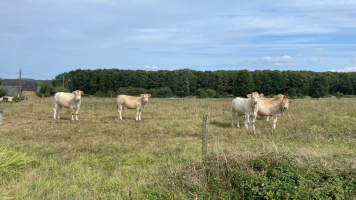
(9, 74)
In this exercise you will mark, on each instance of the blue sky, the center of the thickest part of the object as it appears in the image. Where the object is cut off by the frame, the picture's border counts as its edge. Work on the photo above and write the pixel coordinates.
(48, 37)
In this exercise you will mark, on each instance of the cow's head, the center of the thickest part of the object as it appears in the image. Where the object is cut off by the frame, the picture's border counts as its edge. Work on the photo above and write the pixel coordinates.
(255, 97)
(285, 102)
(78, 94)
(145, 97)
(279, 96)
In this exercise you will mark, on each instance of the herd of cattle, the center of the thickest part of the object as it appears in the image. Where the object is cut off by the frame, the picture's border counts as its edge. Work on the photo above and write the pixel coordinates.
(255, 104)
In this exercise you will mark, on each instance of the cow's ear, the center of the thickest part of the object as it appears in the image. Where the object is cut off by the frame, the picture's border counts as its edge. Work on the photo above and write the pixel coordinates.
(142, 95)
(74, 92)
(81, 92)
(261, 95)
(249, 96)
(290, 101)
(149, 95)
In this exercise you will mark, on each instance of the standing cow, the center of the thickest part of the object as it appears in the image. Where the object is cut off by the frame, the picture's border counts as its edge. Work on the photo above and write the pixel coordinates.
(67, 100)
(247, 107)
(273, 107)
(131, 102)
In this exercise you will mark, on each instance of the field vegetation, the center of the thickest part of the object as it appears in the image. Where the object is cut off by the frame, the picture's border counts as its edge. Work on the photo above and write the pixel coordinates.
(310, 155)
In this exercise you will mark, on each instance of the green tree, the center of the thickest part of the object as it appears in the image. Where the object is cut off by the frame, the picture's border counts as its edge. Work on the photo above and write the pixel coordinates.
(2, 92)
(291, 92)
(183, 87)
(319, 87)
(201, 93)
(243, 83)
(163, 92)
(60, 89)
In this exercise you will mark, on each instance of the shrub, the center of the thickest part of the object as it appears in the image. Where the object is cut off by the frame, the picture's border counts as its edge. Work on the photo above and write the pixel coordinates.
(338, 95)
(134, 91)
(16, 99)
(268, 176)
(2, 92)
(292, 93)
(100, 94)
(47, 94)
(163, 92)
(60, 89)
(201, 93)
(211, 93)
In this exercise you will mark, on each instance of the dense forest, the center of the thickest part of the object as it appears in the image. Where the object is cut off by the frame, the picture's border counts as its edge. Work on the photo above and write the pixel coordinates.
(186, 82)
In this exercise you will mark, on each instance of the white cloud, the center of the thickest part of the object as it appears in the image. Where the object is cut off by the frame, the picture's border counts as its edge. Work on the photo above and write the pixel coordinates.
(271, 61)
(348, 69)
(151, 67)
(315, 61)
(277, 61)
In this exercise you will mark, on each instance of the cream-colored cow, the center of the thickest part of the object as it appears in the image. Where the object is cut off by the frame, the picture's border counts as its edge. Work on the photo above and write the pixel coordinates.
(247, 107)
(67, 100)
(273, 107)
(131, 102)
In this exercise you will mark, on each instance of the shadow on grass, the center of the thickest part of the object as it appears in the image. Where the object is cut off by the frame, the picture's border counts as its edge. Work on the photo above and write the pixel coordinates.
(221, 124)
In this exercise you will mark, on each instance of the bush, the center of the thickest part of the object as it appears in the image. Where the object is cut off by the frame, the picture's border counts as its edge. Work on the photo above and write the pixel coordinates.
(131, 91)
(201, 93)
(268, 176)
(60, 89)
(47, 94)
(2, 92)
(100, 94)
(163, 92)
(16, 99)
(292, 93)
(211, 93)
(338, 95)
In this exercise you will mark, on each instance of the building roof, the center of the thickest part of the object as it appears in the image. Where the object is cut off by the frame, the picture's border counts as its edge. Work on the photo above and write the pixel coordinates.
(27, 84)
(11, 91)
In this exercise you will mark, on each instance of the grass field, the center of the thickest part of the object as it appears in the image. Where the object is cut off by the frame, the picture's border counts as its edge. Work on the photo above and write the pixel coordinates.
(100, 157)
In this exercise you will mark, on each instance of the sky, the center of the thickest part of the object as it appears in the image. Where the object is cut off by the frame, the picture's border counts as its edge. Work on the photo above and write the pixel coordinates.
(44, 38)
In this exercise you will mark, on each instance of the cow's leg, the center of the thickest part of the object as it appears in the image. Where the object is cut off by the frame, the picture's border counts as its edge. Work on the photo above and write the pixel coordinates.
(76, 114)
(267, 118)
(137, 113)
(55, 111)
(238, 121)
(275, 117)
(119, 109)
(232, 118)
(253, 119)
(72, 111)
(58, 112)
(247, 120)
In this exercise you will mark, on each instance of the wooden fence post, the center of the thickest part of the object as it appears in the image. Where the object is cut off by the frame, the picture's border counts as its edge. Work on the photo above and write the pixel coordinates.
(1, 112)
(205, 134)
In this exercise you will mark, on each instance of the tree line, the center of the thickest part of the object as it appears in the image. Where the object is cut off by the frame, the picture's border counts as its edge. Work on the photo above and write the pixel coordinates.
(186, 82)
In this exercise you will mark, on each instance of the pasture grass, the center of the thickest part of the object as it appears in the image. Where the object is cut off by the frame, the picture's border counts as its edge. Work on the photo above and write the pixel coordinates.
(101, 157)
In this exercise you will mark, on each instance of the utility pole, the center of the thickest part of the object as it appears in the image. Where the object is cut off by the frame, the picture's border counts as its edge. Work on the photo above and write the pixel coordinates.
(20, 90)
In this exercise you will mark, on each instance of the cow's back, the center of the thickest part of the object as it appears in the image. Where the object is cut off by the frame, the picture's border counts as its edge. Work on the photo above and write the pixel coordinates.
(128, 101)
(267, 107)
(64, 99)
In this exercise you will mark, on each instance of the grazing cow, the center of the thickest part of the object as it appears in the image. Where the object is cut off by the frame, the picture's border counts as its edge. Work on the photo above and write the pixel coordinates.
(247, 107)
(273, 107)
(131, 102)
(67, 100)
